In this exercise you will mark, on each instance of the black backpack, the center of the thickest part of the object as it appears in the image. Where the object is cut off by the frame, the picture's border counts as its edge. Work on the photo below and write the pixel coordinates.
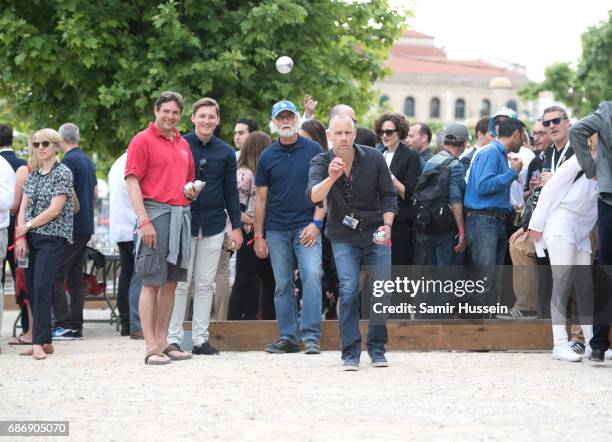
(432, 211)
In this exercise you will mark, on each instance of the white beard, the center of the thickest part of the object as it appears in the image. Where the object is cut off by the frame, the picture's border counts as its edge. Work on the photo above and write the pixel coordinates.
(287, 133)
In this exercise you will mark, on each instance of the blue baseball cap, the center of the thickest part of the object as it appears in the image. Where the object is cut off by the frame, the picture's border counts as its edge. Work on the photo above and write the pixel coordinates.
(284, 106)
(505, 112)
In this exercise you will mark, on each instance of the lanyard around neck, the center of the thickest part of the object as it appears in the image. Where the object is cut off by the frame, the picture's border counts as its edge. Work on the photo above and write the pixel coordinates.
(554, 162)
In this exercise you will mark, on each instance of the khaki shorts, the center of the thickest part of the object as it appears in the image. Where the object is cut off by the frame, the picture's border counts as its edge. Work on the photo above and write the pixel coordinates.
(152, 264)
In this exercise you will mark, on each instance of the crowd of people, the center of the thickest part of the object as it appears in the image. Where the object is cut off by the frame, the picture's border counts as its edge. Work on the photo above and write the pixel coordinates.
(285, 229)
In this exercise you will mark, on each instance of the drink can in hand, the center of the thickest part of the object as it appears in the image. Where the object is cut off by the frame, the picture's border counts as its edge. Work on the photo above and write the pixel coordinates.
(23, 262)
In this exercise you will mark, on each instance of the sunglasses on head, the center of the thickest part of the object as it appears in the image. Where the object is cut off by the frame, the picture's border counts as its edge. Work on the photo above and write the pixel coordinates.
(555, 121)
(38, 144)
(387, 132)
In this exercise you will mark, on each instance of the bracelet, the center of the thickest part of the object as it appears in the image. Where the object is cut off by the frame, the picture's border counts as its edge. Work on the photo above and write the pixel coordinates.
(318, 223)
(12, 246)
(389, 225)
(144, 223)
(257, 237)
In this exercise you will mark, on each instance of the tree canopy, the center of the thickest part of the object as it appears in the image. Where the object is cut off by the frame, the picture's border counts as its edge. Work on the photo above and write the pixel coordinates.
(582, 88)
(102, 64)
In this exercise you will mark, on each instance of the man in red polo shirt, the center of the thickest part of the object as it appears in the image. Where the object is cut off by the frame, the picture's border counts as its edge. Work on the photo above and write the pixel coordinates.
(159, 164)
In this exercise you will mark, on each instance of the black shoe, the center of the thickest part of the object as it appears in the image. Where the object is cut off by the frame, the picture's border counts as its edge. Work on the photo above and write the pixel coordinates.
(125, 330)
(73, 335)
(204, 349)
(312, 348)
(282, 346)
(597, 356)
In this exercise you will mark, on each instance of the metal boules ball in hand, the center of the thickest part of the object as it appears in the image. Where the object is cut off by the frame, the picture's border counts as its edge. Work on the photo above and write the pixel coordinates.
(198, 185)
(284, 64)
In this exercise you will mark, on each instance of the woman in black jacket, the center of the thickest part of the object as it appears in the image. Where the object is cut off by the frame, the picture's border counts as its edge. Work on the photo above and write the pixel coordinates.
(405, 166)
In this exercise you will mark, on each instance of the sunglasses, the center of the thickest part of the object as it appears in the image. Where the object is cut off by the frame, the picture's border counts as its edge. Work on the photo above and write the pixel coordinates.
(537, 134)
(555, 121)
(38, 144)
(285, 117)
(387, 132)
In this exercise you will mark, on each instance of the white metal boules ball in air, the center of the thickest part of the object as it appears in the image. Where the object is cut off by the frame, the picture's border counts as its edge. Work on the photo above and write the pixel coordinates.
(284, 64)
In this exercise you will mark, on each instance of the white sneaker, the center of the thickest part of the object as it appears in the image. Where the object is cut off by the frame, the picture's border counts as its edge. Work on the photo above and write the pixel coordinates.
(608, 354)
(577, 347)
(563, 352)
(515, 313)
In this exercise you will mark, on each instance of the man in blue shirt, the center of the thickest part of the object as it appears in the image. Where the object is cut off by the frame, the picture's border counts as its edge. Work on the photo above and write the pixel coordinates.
(487, 199)
(215, 164)
(69, 319)
(291, 225)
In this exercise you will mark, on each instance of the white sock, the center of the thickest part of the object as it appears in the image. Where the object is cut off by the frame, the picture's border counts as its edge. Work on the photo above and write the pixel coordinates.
(560, 334)
(587, 330)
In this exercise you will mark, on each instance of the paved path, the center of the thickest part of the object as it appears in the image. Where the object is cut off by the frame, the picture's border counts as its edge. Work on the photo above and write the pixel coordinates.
(103, 388)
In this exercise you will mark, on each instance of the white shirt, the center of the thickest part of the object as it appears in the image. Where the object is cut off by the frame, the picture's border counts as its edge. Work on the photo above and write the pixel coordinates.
(7, 192)
(518, 186)
(122, 217)
(388, 157)
(566, 208)
(475, 148)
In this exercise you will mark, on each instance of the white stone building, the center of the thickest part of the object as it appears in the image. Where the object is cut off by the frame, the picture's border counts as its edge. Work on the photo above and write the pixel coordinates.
(426, 85)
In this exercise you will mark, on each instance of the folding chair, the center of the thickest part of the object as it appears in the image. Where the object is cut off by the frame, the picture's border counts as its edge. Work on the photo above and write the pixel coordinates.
(94, 278)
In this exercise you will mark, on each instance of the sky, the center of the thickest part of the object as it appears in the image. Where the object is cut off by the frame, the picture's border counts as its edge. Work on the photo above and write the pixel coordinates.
(533, 33)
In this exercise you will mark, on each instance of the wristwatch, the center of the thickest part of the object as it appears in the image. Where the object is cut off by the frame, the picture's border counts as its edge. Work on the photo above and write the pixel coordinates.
(29, 225)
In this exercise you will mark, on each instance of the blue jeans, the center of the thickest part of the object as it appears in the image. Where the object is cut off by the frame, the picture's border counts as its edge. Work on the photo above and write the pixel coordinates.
(487, 240)
(282, 245)
(439, 250)
(349, 260)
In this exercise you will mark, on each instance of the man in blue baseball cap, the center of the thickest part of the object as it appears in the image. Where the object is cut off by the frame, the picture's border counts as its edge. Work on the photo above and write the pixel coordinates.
(502, 114)
(287, 223)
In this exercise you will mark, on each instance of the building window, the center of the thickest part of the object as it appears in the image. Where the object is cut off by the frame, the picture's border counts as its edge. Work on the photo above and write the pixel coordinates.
(383, 99)
(434, 108)
(512, 105)
(485, 108)
(460, 109)
(409, 107)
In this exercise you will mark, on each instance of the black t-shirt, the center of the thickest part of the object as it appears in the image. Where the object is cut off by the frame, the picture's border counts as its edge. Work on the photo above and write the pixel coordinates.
(545, 160)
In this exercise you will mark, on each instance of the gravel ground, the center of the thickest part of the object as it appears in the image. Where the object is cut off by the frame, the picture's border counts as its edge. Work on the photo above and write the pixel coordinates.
(103, 388)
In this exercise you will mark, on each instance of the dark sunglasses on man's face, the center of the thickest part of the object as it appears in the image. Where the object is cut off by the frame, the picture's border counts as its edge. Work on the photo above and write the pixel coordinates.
(37, 144)
(554, 121)
(387, 132)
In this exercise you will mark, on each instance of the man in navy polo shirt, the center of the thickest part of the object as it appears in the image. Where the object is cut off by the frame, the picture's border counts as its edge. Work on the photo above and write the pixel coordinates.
(69, 320)
(291, 226)
(215, 164)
